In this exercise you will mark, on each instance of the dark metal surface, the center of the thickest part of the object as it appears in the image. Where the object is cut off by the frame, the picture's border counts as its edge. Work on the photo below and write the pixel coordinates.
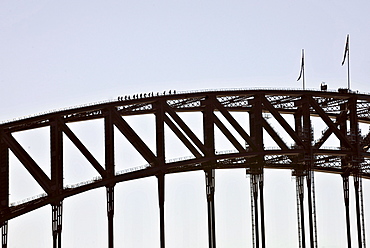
(342, 112)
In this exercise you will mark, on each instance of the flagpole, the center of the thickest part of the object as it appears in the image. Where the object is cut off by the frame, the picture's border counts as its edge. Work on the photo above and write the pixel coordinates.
(348, 66)
(304, 83)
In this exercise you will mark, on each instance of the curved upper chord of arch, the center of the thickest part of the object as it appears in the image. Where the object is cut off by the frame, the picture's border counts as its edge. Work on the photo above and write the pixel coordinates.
(291, 111)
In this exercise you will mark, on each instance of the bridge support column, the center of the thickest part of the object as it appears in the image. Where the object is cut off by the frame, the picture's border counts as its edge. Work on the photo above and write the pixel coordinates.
(110, 212)
(306, 134)
(359, 212)
(346, 203)
(57, 224)
(257, 187)
(312, 209)
(262, 207)
(300, 211)
(210, 190)
(300, 176)
(254, 208)
(4, 234)
(161, 194)
(4, 188)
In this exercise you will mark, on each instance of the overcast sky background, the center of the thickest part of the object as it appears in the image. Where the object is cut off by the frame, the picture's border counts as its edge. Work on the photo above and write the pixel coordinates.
(65, 53)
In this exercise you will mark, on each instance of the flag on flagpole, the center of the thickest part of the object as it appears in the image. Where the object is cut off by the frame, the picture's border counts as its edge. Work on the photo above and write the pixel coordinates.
(302, 66)
(346, 56)
(346, 50)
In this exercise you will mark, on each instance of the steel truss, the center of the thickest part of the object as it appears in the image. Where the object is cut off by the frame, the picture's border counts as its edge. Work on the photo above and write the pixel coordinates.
(342, 112)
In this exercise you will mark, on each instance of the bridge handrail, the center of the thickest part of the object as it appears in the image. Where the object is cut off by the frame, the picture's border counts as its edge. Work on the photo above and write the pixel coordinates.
(13, 204)
(173, 93)
(137, 168)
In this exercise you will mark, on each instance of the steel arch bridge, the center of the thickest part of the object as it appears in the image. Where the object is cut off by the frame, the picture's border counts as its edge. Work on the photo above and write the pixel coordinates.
(293, 111)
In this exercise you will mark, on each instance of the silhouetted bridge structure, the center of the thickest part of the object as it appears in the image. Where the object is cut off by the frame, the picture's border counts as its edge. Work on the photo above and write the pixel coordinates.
(342, 112)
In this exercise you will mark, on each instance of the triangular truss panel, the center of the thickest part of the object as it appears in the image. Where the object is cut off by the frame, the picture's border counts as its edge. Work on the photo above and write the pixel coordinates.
(144, 127)
(39, 151)
(76, 168)
(278, 124)
(22, 186)
(222, 138)
(91, 135)
(275, 134)
(175, 149)
(126, 156)
(194, 120)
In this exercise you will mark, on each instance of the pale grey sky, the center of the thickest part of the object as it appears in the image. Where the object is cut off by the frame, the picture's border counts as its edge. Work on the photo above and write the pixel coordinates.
(54, 54)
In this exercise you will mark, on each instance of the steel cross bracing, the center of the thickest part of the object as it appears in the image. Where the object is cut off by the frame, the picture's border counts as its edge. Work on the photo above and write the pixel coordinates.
(268, 110)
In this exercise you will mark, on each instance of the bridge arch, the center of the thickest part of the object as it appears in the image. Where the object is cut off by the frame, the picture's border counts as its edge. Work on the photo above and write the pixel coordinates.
(274, 115)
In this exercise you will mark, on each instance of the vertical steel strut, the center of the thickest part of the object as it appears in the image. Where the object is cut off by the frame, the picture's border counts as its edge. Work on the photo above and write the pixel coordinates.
(299, 215)
(256, 185)
(262, 210)
(252, 212)
(4, 234)
(110, 172)
(346, 203)
(4, 189)
(356, 158)
(56, 157)
(346, 172)
(310, 208)
(57, 209)
(314, 208)
(110, 212)
(256, 171)
(360, 212)
(161, 195)
(303, 116)
(210, 191)
(358, 209)
(307, 138)
(209, 143)
(160, 144)
(362, 215)
(254, 199)
(300, 210)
